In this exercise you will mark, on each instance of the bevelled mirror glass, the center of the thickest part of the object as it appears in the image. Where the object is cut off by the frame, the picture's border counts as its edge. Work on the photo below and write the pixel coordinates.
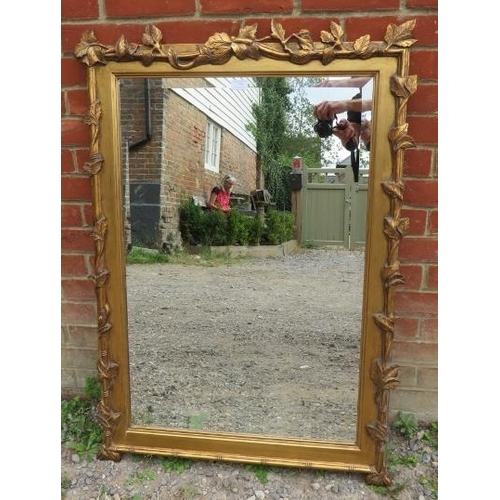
(269, 371)
(269, 347)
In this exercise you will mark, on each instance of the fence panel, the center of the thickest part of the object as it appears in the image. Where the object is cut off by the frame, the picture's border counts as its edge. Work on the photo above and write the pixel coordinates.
(333, 207)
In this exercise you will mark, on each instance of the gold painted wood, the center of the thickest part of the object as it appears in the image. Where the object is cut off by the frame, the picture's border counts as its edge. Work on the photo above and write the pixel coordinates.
(275, 54)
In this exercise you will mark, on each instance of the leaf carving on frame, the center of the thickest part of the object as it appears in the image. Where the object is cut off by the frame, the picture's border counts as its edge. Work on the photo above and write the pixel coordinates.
(218, 48)
(328, 55)
(100, 228)
(244, 48)
(94, 165)
(105, 328)
(151, 39)
(248, 32)
(216, 41)
(112, 369)
(385, 323)
(402, 86)
(121, 47)
(244, 45)
(94, 114)
(134, 50)
(378, 478)
(106, 416)
(394, 278)
(106, 454)
(242, 51)
(394, 189)
(300, 57)
(377, 431)
(400, 138)
(300, 45)
(361, 45)
(336, 31)
(101, 277)
(305, 41)
(376, 372)
(391, 377)
(89, 50)
(152, 36)
(385, 377)
(300, 48)
(103, 315)
(148, 57)
(400, 35)
(391, 275)
(277, 31)
(333, 38)
(396, 228)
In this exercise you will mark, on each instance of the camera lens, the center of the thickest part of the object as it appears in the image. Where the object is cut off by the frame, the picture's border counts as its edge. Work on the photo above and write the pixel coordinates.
(324, 128)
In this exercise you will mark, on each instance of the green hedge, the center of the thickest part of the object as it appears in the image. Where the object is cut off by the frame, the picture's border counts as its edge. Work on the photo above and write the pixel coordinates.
(213, 228)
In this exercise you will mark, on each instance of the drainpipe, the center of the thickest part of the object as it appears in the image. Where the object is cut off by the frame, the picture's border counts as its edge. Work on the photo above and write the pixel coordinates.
(147, 114)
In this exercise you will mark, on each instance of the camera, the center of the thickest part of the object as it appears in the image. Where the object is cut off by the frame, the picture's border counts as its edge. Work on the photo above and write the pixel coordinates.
(324, 128)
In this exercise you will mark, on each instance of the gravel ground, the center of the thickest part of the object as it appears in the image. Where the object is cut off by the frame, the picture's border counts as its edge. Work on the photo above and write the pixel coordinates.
(266, 346)
(157, 478)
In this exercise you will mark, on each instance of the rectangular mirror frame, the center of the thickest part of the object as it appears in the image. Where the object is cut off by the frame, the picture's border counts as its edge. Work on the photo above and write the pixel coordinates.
(274, 55)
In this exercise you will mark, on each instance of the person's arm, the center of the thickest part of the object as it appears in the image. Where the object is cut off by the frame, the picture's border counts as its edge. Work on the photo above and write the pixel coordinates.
(327, 110)
(213, 197)
(356, 81)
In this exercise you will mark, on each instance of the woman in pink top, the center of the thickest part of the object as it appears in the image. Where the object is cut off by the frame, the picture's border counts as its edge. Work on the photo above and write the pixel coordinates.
(220, 197)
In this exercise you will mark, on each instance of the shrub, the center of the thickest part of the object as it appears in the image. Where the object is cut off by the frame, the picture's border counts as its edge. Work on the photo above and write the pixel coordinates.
(190, 222)
(238, 228)
(213, 228)
(279, 227)
(256, 230)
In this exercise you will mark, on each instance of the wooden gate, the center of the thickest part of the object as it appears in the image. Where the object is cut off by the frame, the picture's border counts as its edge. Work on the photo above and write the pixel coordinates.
(332, 207)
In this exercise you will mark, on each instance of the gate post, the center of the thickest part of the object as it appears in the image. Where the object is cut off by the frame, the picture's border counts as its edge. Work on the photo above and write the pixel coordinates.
(297, 182)
(349, 188)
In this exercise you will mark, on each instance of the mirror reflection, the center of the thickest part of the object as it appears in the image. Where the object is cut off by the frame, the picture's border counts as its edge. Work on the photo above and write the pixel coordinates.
(266, 345)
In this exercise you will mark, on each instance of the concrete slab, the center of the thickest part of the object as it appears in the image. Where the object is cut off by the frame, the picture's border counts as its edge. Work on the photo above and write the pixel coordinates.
(260, 251)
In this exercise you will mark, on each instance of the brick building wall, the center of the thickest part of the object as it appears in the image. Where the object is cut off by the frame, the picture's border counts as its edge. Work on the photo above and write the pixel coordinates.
(184, 169)
(141, 122)
(193, 21)
(164, 163)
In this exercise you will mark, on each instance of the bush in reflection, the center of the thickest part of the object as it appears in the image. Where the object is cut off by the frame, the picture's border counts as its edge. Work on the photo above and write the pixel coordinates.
(212, 228)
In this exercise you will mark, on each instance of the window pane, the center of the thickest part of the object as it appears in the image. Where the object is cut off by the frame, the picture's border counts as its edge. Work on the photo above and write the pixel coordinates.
(212, 146)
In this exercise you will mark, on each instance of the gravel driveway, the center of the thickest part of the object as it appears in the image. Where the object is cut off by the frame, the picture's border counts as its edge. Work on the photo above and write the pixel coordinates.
(267, 346)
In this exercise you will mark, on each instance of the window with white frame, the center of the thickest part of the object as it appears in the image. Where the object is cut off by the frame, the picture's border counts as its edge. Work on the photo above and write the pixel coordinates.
(212, 146)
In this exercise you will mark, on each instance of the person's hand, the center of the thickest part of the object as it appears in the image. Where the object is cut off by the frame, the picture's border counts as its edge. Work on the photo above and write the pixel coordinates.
(327, 110)
(345, 131)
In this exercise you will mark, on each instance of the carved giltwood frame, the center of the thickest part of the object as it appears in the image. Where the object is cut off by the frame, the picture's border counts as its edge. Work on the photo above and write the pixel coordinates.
(275, 54)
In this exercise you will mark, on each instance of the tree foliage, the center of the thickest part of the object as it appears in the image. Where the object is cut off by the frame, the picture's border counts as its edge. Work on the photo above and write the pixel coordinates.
(270, 132)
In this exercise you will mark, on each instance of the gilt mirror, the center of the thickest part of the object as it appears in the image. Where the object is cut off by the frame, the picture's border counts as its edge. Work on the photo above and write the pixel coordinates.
(252, 389)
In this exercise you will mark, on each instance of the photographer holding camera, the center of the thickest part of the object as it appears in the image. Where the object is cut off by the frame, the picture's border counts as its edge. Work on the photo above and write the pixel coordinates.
(352, 130)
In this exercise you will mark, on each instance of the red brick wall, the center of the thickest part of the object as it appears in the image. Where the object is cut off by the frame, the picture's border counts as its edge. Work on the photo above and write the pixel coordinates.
(191, 21)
